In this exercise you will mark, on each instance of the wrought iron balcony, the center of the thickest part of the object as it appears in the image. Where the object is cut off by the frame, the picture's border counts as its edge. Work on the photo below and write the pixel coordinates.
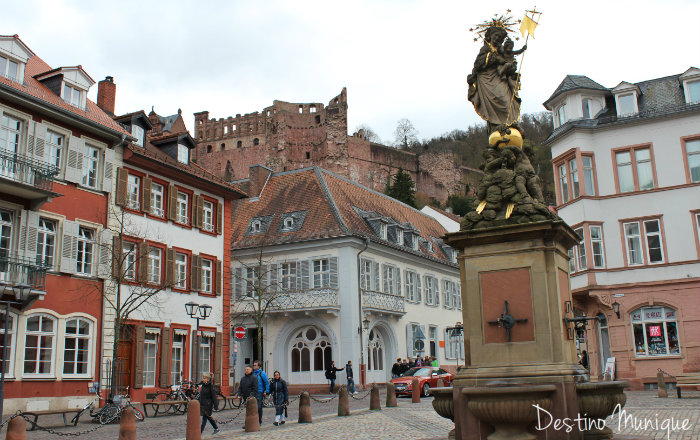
(15, 270)
(26, 170)
(315, 299)
(373, 301)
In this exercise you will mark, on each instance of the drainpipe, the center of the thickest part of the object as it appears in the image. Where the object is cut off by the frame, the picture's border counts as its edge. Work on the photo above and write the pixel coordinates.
(363, 366)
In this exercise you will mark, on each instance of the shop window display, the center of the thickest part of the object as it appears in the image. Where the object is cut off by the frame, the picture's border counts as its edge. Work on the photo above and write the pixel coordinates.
(655, 331)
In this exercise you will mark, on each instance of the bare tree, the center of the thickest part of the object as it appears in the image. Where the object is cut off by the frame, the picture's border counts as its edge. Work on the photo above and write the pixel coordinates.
(129, 283)
(369, 133)
(405, 134)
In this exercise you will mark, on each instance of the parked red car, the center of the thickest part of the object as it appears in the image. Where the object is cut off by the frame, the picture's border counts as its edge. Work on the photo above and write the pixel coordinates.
(427, 376)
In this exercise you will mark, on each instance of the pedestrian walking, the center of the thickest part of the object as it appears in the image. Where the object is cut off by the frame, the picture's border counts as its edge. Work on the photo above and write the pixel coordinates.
(207, 401)
(280, 397)
(351, 380)
(330, 375)
(263, 387)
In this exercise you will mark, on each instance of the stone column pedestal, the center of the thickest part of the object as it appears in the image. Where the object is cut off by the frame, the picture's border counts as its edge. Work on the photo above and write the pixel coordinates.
(524, 269)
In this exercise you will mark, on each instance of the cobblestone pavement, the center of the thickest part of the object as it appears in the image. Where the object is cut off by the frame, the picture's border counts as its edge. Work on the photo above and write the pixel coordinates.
(414, 421)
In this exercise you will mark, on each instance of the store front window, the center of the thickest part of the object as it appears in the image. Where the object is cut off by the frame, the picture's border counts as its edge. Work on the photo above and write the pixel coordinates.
(655, 331)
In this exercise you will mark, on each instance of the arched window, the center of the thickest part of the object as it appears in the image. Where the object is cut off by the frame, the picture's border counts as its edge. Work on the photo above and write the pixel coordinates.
(77, 343)
(208, 148)
(655, 331)
(8, 363)
(39, 341)
(239, 144)
(256, 141)
(375, 351)
(223, 146)
(310, 340)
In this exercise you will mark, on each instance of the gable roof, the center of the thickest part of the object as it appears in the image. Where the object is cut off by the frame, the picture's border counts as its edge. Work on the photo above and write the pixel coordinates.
(333, 207)
(574, 82)
(35, 90)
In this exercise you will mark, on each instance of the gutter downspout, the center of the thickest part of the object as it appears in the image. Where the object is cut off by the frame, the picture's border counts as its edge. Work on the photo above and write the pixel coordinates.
(363, 367)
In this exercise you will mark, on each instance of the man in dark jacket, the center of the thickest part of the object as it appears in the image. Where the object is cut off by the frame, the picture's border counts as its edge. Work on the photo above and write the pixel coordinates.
(249, 384)
(351, 380)
(207, 397)
(330, 375)
(396, 368)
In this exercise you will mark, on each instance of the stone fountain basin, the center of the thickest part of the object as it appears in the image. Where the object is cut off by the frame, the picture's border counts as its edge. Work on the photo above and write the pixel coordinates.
(599, 399)
(509, 404)
(443, 403)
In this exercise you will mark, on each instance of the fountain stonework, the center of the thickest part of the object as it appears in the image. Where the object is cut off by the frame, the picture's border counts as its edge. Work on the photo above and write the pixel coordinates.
(521, 360)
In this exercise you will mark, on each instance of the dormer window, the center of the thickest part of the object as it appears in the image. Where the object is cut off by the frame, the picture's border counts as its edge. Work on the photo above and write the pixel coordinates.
(586, 108)
(288, 224)
(692, 92)
(255, 226)
(9, 68)
(382, 230)
(399, 236)
(414, 242)
(626, 105)
(561, 114)
(72, 95)
(137, 132)
(183, 154)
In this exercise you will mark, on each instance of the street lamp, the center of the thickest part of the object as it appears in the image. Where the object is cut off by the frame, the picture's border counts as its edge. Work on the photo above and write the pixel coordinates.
(19, 291)
(197, 311)
(616, 308)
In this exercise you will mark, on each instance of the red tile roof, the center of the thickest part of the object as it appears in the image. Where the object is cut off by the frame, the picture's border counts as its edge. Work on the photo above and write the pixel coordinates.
(330, 202)
(34, 88)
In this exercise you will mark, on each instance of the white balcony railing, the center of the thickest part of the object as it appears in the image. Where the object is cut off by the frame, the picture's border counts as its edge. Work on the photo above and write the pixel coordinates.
(383, 302)
(315, 299)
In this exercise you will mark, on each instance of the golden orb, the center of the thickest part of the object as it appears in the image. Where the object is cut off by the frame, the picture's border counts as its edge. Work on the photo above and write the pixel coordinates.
(515, 139)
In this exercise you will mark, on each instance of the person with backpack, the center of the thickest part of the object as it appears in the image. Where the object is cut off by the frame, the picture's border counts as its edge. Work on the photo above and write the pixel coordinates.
(351, 379)
(280, 397)
(207, 402)
(263, 387)
(330, 375)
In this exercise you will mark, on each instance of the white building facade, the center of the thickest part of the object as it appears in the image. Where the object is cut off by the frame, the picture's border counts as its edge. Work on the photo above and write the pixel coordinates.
(627, 171)
(351, 275)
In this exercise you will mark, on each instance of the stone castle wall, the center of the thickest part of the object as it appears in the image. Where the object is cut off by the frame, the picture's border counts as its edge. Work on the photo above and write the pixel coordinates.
(287, 136)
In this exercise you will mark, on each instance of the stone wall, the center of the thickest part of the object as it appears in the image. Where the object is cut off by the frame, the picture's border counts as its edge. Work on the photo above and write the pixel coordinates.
(287, 136)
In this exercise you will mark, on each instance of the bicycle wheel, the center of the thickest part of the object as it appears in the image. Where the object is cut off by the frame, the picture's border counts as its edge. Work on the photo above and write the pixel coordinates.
(108, 414)
(137, 413)
(222, 402)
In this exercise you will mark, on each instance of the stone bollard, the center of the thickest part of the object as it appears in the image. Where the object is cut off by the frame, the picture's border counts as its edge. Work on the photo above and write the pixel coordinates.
(17, 429)
(127, 425)
(305, 408)
(252, 418)
(374, 404)
(390, 395)
(661, 385)
(440, 383)
(194, 421)
(415, 390)
(343, 403)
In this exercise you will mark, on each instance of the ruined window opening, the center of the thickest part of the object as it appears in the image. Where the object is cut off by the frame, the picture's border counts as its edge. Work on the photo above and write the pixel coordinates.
(308, 155)
(318, 119)
(226, 129)
(301, 109)
(256, 141)
(239, 144)
(223, 147)
(313, 109)
(208, 148)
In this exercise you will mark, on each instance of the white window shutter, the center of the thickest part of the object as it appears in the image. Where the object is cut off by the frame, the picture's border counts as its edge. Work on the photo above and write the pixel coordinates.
(69, 246)
(362, 274)
(41, 153)
(105, 254)
(333, 266)
(28, 235)
(108, 180)
(418, 297)
(385, 284)
(375, 276)
(436, 294)
(74, 162)
(304, 274)
(397, 281)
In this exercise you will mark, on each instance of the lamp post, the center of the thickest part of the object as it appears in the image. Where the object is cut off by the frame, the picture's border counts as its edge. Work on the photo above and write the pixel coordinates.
(18, 290)
(197, 311)
(616, 308)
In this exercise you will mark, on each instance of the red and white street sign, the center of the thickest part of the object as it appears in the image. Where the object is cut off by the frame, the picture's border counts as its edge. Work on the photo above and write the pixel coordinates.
(239, 332)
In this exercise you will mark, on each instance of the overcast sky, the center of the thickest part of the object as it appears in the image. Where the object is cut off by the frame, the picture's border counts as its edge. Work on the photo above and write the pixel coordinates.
(398, 59)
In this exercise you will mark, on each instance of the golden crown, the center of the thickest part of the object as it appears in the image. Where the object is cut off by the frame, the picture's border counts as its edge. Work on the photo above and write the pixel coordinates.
(500, 21)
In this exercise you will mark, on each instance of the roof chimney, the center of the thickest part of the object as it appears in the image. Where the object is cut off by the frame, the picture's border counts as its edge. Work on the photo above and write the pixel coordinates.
(258, 177)
(106, 94)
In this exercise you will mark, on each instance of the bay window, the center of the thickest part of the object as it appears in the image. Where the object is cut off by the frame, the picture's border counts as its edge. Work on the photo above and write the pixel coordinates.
(635, 169)
(563, 184)
(596, 234)
(573, 169)
(644, 242)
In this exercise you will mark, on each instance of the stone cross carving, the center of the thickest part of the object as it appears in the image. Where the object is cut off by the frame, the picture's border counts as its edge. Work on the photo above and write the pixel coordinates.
(507, 321)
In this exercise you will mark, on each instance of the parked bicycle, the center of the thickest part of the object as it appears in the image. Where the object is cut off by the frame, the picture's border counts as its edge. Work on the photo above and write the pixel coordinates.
(112, 410)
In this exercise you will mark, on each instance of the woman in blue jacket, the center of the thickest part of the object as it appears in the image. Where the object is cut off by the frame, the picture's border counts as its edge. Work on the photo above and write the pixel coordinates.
(280, 396)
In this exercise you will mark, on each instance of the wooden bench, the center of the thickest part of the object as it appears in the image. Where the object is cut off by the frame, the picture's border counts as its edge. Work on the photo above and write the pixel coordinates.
(687, 381)
(63, 412)
(169, 404)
